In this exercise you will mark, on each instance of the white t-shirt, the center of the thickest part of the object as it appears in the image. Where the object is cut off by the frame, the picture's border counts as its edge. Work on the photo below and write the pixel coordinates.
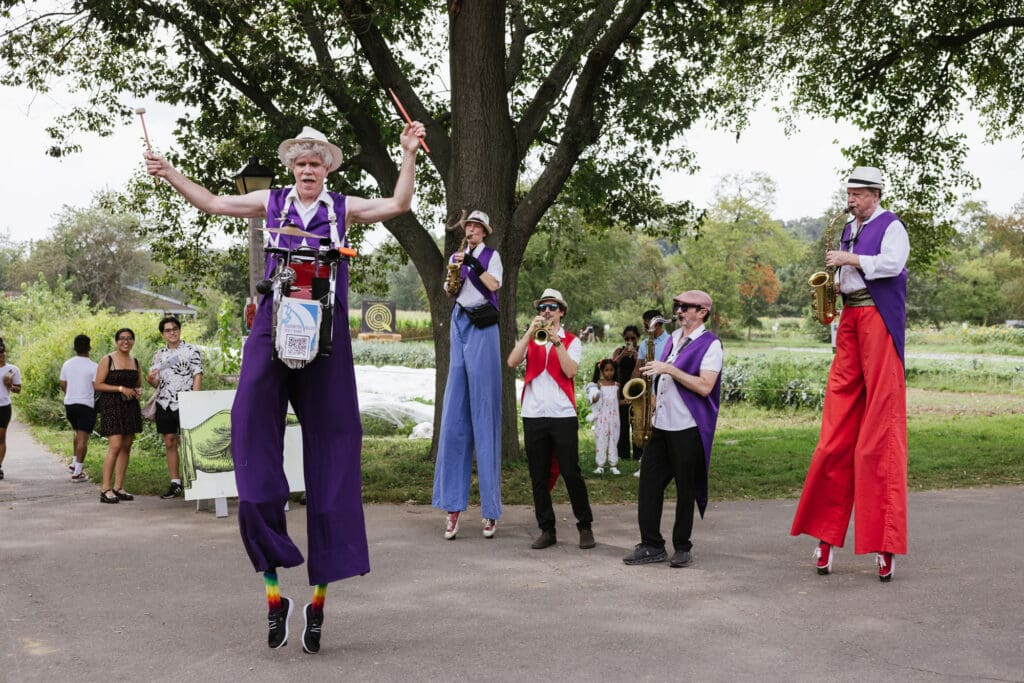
(670, 411)
(5, 393)
(542, 396)
(78, 372)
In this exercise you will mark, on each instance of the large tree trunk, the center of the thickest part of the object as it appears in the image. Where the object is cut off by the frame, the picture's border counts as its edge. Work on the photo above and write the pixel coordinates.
(483, 140)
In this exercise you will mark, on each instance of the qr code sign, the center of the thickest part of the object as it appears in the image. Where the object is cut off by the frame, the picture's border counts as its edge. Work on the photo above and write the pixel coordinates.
(297, 346)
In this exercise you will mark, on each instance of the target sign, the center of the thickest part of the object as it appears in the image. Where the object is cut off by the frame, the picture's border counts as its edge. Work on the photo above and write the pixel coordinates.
(378, 317)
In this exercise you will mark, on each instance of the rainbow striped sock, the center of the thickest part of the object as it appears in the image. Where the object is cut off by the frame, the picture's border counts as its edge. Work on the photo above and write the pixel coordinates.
(319, 598)
(273, 590)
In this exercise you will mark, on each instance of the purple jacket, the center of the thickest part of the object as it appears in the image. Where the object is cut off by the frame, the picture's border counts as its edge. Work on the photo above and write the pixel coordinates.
(889, 293)
(703, 408)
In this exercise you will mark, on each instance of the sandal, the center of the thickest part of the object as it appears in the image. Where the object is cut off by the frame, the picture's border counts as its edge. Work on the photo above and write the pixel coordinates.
(123, 495)
(104, 498)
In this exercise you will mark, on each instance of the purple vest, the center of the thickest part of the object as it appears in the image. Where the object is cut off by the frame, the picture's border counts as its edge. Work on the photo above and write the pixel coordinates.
(319, 224)
(703, 408)
(889, 293)
(485, 260)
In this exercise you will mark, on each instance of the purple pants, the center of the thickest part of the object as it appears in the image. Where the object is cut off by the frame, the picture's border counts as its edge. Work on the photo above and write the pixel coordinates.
(323, 394)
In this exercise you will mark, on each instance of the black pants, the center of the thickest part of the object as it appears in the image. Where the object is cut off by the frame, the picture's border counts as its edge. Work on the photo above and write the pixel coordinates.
(668, 456)
(545, 437)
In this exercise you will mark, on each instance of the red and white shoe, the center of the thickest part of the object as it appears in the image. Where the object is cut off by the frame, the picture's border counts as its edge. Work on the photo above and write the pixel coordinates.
(886, 566)
(823, 554)
(451, 525)
(490, 526)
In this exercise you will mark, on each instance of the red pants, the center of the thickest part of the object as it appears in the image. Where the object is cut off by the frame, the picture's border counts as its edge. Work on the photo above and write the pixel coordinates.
(860, 462)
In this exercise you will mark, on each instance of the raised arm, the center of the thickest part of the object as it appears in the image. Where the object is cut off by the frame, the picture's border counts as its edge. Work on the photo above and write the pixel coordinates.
(252, 205)
(360, 210)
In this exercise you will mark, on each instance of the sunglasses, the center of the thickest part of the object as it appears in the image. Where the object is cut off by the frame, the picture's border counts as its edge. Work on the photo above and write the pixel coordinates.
(685, 307)
(547, 307)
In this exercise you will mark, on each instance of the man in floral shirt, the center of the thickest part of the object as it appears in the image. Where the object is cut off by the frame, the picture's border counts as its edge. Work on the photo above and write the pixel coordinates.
(176, 367)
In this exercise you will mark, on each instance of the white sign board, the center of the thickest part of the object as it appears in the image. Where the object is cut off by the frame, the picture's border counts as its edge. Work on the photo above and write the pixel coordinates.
(206, 466)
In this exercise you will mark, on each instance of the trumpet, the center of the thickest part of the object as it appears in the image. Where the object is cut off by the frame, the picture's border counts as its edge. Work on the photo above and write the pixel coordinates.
(543, 334)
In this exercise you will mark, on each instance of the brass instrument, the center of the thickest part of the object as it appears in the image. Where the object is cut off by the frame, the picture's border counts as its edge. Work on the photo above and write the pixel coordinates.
(640, 392)
(824, 288)
(543, 334)
(453, 280)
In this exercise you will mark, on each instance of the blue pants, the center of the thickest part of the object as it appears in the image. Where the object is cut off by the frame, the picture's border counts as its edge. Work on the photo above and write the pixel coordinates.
(471, 416)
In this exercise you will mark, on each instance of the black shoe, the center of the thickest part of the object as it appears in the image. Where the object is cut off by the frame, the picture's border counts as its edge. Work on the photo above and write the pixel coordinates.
(278, 618)
(587, 539)
(680, 558)
(545, 540)
(645, 554)
(1, 474)
(173, 491)
(311, 631)
(124, 495)
(112, 498)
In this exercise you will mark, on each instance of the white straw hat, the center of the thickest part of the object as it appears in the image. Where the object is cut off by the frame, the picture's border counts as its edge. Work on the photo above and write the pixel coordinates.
(311, 135)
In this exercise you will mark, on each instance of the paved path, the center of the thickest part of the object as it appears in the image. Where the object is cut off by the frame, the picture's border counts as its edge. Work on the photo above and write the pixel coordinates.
(154, 591)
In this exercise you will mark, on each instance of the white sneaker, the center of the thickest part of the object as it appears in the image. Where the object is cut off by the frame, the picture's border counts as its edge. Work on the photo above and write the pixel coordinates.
(615, 470)
(451, 525)
(599, 470)
(637, 474)
(490, 526)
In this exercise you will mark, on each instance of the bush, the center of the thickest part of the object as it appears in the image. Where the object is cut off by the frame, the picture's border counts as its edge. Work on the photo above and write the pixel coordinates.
(994, 338)
(405, 354)
(774, 383)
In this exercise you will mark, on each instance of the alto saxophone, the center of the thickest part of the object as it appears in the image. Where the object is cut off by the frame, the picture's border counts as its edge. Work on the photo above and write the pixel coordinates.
(453, 280)
(823, 283)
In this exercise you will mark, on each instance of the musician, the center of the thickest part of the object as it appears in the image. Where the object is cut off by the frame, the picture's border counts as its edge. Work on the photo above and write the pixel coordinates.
(625, 359)
(471, 414)
(860, 462)
(550, 424)
(661, 337)
(683, 430)
(323, 393)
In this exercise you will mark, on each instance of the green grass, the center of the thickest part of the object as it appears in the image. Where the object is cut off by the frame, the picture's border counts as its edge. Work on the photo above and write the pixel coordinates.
(758, 454)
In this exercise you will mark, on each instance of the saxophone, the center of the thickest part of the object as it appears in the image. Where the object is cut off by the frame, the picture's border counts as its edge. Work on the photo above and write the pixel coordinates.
(823, 283)
(453, 280)
(640, 391)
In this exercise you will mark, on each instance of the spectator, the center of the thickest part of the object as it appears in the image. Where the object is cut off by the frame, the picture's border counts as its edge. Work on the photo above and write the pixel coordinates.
(76, 378)
(9, 384)
(120, 383)
(176, 367)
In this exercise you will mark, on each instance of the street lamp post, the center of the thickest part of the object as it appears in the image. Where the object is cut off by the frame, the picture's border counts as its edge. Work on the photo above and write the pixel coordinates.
(250, 178)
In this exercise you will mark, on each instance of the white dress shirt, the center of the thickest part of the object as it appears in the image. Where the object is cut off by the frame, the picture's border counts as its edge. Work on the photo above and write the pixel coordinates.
(670, 412)
(889, 262)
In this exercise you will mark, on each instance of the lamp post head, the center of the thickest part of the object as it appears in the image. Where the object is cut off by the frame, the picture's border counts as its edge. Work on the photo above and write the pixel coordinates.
(253, 176)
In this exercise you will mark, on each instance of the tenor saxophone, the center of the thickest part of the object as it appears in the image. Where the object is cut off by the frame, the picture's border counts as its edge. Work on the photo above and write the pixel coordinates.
(823, 283)
(640, 392)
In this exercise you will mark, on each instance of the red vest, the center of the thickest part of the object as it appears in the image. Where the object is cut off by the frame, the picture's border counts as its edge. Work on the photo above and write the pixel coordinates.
(535, 365)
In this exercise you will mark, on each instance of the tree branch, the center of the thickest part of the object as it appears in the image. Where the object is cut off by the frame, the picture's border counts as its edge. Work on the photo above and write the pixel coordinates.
(553, 85)
(581, 129)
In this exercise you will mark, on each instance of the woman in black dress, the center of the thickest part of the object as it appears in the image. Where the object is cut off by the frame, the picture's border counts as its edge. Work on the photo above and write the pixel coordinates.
(624, 358)
(120, 383)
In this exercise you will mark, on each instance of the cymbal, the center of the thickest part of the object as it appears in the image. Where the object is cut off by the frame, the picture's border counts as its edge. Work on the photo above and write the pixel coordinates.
(292, 231)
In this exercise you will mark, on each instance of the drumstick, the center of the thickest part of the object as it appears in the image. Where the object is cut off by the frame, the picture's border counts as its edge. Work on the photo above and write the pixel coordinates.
(141, 111)
(405, 115)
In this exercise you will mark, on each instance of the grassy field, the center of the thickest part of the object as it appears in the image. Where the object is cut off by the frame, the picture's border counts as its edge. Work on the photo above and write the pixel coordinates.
(955, 440)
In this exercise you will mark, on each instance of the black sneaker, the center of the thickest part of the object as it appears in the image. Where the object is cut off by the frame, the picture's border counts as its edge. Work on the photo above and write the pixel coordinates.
(311, 631)
(278, 618)
(680, 558)
(645, 554)
(173, 491)
(1, 474)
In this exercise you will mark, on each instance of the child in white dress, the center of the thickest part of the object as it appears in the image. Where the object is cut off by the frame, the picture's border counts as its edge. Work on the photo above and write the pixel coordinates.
(605, 409)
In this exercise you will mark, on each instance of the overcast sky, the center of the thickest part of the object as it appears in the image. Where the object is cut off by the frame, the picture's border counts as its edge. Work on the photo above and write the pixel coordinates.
(805, 168)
